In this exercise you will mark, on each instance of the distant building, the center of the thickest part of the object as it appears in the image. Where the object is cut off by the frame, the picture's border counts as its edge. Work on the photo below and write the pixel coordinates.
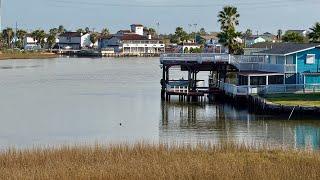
(253, 40)
(303, 33)
(212, 44)
(29, 43)
(269, 37)
(187, 47)
(133, 42)
(74, 40)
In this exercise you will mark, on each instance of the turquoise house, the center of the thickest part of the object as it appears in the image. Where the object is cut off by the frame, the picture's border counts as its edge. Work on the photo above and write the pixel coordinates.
(301, 62)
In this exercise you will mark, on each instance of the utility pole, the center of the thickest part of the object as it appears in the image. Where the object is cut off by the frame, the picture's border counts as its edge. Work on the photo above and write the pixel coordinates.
(190, 28)
(158, 29)
(195, 32)
(15, 35)
(0, 15)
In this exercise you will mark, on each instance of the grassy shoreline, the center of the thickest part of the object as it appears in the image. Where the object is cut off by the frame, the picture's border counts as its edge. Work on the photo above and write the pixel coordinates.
(159, 162)
(308, 100)
(26, 55)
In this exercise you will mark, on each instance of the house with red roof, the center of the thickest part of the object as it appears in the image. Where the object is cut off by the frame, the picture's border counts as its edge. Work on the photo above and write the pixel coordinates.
(133, 42)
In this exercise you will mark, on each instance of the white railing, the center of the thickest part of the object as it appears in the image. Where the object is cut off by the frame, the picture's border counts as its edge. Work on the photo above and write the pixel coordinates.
(269, 89)
(242, 62)
(279, 68)
(179, 89)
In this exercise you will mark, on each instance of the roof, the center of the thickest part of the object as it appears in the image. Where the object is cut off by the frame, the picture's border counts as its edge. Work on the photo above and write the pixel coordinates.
(254, 37)
(71, 34)
(140, 25)
(297, 31)
(125, 31)
(209, 37)
(288, 48)
(127, 37)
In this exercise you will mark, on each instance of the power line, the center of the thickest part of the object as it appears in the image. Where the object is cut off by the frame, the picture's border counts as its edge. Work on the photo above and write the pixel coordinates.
(249, 4)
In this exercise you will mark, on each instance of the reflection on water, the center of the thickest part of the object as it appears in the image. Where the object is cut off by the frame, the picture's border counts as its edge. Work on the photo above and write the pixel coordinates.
(222, 123)
(75, 101)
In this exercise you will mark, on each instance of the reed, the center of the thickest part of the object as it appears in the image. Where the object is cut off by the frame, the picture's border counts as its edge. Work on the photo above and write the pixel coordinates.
(26, 55)
(144, 161)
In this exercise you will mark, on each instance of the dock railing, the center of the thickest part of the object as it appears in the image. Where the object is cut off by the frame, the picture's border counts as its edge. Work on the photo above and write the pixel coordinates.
(242, 62)
(269, 89)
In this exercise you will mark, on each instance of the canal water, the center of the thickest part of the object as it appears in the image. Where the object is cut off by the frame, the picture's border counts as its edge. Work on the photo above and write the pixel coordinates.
(79, 101)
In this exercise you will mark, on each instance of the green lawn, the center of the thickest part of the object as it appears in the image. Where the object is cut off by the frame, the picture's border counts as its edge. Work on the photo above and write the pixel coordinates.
(295, 99)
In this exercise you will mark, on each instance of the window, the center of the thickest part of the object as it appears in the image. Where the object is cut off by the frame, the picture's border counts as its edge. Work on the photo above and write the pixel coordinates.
(310, 58)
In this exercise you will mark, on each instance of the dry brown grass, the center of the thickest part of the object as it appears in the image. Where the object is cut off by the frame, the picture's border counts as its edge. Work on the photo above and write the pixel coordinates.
(26, 55)
(159, 162)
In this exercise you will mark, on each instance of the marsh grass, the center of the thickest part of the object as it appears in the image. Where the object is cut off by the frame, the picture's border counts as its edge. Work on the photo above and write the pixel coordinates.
(143, 161)
(25, 55)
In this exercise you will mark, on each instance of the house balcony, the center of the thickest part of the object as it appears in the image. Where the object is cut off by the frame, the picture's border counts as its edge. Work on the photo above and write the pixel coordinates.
(266, 67)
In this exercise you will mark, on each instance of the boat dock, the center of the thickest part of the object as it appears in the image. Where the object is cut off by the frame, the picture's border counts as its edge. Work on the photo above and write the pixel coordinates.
(246, 68)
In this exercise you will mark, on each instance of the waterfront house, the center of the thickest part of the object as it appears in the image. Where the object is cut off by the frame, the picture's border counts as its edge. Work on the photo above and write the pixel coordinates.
(301, 62)
(74, 40)
(29, 43)
(133, 42)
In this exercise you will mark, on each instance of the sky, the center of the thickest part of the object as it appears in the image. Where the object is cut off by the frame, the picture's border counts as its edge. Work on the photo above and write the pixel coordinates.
(260, 16)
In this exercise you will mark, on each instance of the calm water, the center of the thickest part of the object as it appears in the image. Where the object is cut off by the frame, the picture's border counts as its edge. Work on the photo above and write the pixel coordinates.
(83, 101)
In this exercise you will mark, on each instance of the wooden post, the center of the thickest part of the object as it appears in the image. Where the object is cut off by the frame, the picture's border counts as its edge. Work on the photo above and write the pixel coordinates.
(163, 83)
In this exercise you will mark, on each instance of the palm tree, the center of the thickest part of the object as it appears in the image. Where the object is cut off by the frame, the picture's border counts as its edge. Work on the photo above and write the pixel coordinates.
(8, 35)
(293, 37)
(279, 34)
(228, 38)
(51, 41)
(54, 31)
(228, 17)
(94, 38)
(314, 35)
(105, 32)
(21, 34)
(87, 30)
(61, 29)
(80, 30)
(39, 36)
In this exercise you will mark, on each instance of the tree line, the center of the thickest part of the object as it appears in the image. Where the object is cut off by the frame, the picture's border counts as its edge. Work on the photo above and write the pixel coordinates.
(10, 38)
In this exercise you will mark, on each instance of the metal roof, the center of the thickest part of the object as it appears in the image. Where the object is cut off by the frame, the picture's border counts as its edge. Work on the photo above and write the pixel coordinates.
(288, 48)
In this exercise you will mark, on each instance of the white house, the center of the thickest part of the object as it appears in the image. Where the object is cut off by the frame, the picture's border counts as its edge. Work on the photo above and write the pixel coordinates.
(29, 43)
(133, 42)
(74, 40)
(137, 29)
(254, 40)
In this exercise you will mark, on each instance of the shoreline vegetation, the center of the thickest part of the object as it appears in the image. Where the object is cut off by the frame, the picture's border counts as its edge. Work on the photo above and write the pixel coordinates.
(303, 100)
(8, 55)
(143, 161)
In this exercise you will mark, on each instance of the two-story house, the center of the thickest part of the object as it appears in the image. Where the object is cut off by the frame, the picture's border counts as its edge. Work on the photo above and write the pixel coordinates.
(74, 40)
(133, 42)
(301, 62)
